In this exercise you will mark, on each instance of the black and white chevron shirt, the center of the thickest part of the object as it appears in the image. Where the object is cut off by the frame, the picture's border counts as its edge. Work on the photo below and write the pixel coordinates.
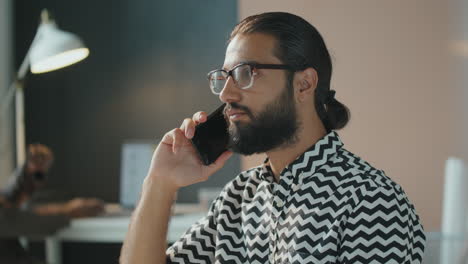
(329, 206)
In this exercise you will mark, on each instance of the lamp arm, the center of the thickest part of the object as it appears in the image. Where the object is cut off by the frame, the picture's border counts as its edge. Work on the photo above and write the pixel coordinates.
(16, 88)
(7, 98)
(17, 83)
(23, 70)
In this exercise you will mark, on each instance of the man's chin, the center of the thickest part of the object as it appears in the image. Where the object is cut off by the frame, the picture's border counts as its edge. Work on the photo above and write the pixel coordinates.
(235, 125)
(239, 127)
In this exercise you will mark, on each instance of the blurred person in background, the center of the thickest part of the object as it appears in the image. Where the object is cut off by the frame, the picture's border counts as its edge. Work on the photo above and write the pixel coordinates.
(19, 191)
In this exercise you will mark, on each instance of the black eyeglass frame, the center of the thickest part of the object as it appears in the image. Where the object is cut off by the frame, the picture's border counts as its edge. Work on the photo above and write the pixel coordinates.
(252, 66)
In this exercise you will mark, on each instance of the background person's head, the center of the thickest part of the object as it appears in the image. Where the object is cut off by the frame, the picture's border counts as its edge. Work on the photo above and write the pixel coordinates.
(39, 160)
(300, 45)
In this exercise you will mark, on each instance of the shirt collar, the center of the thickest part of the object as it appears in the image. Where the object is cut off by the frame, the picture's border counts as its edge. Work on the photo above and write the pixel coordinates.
(309, 161)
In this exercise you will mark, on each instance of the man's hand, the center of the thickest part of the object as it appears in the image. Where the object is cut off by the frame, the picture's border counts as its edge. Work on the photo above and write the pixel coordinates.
(75, 208)
(83, 207)
(175, 164)
(175, 161)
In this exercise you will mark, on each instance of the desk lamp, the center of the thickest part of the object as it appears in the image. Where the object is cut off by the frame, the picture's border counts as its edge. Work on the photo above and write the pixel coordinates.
(51, 49)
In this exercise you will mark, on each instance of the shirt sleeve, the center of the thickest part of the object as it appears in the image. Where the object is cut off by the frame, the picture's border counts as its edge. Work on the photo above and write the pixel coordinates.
(382, 228)
(197, 245)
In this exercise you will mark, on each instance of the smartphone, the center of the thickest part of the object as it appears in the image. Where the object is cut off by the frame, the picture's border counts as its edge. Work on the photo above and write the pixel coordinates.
(211, 137)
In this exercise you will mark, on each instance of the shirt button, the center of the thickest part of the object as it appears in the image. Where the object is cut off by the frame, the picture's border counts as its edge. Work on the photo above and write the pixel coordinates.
(296, 187)
(279, 203)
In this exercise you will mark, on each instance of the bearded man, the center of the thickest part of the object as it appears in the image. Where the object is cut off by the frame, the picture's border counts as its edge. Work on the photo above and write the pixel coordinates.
(312, 201)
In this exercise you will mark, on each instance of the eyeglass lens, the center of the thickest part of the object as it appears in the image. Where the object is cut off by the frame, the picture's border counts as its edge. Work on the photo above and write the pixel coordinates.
(242, 76)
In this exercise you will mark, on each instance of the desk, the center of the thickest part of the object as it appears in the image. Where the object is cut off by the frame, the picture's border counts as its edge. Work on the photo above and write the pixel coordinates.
(110, 229)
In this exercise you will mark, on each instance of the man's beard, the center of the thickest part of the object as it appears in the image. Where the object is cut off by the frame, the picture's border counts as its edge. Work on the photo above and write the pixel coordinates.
(274, 127)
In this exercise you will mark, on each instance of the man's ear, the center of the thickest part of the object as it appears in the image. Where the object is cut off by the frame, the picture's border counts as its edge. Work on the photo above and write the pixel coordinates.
(306, 83)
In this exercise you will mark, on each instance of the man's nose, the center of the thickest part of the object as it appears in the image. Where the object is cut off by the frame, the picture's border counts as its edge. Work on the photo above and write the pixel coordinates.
(230, 92)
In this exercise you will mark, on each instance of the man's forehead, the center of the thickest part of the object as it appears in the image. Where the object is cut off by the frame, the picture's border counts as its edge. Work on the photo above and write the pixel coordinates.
(253, 47)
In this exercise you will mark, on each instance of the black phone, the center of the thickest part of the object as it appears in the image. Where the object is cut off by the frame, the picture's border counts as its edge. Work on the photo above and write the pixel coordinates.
(211, 137)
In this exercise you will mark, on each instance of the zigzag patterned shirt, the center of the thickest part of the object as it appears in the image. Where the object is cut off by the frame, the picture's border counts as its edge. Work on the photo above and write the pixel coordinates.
(329, 206)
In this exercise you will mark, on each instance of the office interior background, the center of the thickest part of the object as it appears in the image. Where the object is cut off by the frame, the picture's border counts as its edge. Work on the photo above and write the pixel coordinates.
(400, 66)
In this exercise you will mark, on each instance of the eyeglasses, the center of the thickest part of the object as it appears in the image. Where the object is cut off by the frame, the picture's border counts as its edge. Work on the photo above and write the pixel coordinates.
(242, 75)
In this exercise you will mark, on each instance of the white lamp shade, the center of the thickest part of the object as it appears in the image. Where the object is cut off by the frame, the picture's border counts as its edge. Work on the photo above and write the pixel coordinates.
(54, 49)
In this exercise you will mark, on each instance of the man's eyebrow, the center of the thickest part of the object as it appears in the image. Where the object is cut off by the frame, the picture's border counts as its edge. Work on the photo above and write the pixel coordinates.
(241, 62)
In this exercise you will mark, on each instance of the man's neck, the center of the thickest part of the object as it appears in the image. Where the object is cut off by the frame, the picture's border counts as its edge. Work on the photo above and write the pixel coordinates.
(280, 157)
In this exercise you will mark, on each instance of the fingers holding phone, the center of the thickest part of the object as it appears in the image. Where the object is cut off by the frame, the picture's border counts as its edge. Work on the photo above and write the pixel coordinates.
(185, 155)
(188, 128)
(188, 125)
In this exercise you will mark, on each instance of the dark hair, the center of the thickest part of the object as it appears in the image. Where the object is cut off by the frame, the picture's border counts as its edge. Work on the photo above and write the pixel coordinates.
(301, 46)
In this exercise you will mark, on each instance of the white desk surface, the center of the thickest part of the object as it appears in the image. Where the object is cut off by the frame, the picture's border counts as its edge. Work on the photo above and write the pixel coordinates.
(114, 228)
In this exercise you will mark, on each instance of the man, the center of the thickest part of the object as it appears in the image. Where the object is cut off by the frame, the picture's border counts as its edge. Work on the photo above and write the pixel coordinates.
(31, 177)
(14, 221)
(27, 178)
(312, 201)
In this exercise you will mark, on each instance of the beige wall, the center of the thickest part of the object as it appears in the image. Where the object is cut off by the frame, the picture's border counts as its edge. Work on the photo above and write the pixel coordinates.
(391, 67)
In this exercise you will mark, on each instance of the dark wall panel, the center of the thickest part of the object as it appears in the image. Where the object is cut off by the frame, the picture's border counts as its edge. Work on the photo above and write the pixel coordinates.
(146, 72)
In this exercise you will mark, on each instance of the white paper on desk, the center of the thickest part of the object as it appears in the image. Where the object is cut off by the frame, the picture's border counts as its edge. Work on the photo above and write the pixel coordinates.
(136, 159)
(454, 211)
